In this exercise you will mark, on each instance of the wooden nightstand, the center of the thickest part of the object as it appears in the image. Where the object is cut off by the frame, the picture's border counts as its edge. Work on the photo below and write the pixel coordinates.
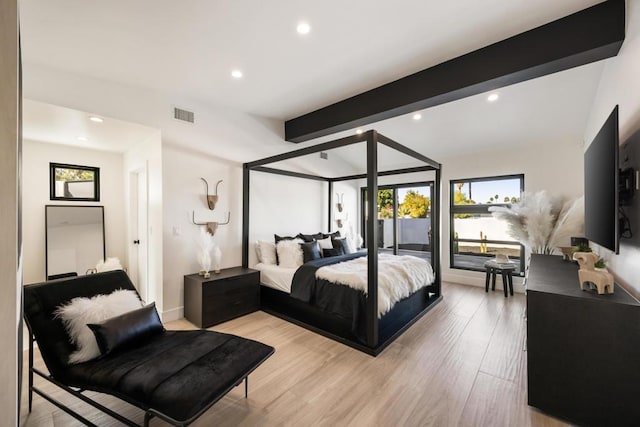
(231, 293)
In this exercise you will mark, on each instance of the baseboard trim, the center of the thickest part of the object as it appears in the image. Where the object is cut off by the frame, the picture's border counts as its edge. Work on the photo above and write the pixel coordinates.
(478, 280)
(173, 314)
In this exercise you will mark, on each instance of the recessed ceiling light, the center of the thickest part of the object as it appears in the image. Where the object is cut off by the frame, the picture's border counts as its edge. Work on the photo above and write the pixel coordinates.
(303, 28)
(83, 138)
(236, 74)
(359, 131)
(96, 119)
(417, 116)
(493, 97)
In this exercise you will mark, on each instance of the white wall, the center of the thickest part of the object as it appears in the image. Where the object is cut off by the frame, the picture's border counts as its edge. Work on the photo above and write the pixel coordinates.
(146, 156)
(35, 195)
(620, 85)
(184, 193)
(281, 205)
(555, 166)
(10, 244)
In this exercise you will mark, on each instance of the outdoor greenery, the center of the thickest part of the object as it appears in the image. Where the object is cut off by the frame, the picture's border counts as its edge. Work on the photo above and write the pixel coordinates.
(64, 174)
(414, 205)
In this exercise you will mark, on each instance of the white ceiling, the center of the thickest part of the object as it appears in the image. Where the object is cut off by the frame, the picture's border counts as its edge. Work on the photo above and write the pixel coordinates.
(52, 123)
(188, 48)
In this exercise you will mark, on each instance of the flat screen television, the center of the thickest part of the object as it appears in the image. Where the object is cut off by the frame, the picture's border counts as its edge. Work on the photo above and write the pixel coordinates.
(601, 176)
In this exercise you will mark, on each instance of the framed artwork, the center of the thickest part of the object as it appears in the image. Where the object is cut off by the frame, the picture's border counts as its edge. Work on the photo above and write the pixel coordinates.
(74, 182)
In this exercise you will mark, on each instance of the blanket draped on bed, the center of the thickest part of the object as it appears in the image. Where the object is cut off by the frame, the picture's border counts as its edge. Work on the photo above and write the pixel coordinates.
(398, 278)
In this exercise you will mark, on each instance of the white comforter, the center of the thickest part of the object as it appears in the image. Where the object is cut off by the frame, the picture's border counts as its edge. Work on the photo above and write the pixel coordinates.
(398, 277)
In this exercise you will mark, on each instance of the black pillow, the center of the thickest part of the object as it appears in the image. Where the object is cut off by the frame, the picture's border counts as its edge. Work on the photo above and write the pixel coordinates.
(127, 329)
(333, 235)
(342, 244)
(332, 252)
(310, 237)
(278, 238)
(310, 251)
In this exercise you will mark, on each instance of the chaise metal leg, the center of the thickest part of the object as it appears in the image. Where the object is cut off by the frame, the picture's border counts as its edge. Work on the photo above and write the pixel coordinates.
(486, 280)
(246, 386)
(30, 371)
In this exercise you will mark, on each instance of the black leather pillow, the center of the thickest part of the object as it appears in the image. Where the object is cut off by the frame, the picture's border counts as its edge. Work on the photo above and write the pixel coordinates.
(278, 238)
(127, 329)
(342, 244)
(310, 237)
(333, 235)
(331, 252)
(310, 251)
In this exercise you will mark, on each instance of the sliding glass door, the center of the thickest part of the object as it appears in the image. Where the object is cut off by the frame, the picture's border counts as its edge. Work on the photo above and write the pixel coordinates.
(404, 218)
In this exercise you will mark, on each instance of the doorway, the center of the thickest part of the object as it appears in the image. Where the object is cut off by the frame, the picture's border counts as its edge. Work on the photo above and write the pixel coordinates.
(404, 218)
(139, 231)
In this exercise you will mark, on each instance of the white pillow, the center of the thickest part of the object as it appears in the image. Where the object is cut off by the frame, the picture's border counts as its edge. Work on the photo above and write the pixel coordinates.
(109, 265)
(258, 251)
(266, 252)
(290, 253)
(79, 311)
(325, 244)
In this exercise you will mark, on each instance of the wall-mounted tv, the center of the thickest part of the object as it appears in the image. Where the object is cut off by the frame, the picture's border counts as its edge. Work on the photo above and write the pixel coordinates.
(601, 177)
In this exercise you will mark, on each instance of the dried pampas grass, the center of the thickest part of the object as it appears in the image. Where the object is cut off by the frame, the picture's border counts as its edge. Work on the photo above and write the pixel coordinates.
(542, 222)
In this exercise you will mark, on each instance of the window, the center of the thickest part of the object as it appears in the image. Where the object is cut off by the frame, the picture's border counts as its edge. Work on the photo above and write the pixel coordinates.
(404, 218)
(476, 236)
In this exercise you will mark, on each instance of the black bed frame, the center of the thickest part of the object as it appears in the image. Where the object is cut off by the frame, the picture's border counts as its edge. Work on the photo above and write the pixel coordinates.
(379, 333)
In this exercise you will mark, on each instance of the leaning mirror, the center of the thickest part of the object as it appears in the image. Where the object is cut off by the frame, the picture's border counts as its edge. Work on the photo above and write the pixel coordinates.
(74, 239)
(73, 182)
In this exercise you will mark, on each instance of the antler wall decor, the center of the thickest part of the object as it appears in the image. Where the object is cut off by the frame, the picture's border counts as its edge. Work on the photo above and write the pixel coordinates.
(211, 200)
(340, 221)
(211, 226)
(340, 203)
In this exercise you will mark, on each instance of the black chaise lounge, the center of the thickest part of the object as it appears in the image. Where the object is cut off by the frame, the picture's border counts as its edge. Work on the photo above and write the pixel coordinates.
(175, 376)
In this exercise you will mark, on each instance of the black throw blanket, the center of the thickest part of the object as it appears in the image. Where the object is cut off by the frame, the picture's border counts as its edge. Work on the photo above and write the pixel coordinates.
(337, 299)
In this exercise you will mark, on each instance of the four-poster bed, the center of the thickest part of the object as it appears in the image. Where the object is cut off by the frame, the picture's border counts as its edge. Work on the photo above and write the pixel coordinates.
(375, 332)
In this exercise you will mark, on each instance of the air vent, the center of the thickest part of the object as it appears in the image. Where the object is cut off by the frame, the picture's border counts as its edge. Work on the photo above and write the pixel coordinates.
(184, 115)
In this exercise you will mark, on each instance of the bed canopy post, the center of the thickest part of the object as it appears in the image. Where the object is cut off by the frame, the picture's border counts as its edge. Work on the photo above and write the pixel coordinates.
(372, 239)
(330, 182)
(245, 215)
(435, 245)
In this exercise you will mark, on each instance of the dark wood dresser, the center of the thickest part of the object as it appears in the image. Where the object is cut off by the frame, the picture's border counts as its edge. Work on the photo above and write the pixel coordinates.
(231, 293)
(583, 349)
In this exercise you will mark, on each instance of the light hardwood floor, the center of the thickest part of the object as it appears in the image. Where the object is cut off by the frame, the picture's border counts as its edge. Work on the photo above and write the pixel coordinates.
(462, 364)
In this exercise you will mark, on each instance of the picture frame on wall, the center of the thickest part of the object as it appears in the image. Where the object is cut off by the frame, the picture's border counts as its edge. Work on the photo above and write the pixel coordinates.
(74, 182)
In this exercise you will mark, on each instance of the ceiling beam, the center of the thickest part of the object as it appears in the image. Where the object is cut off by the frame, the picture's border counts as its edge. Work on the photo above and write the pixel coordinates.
(587, 36)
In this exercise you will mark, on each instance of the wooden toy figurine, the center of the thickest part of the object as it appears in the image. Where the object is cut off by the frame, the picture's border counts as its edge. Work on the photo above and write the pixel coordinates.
(590, 275)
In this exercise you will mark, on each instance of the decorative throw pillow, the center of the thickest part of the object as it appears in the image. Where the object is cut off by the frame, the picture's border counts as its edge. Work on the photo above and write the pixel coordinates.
(310, 237)
(266, 252)
(333, 235)
(310, 251)
(80, 311)
(126, 329)
(279, 238)
(290, 253)
(325, 243)
(342, 244)
(331, 252)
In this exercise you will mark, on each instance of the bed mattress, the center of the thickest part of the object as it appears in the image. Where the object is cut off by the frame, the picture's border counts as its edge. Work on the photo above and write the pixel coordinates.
(276, 277)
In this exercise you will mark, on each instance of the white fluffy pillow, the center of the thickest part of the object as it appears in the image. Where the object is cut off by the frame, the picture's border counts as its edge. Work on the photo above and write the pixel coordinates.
(290, 253)
(325, 244)
(79, 311)
(266, 252)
